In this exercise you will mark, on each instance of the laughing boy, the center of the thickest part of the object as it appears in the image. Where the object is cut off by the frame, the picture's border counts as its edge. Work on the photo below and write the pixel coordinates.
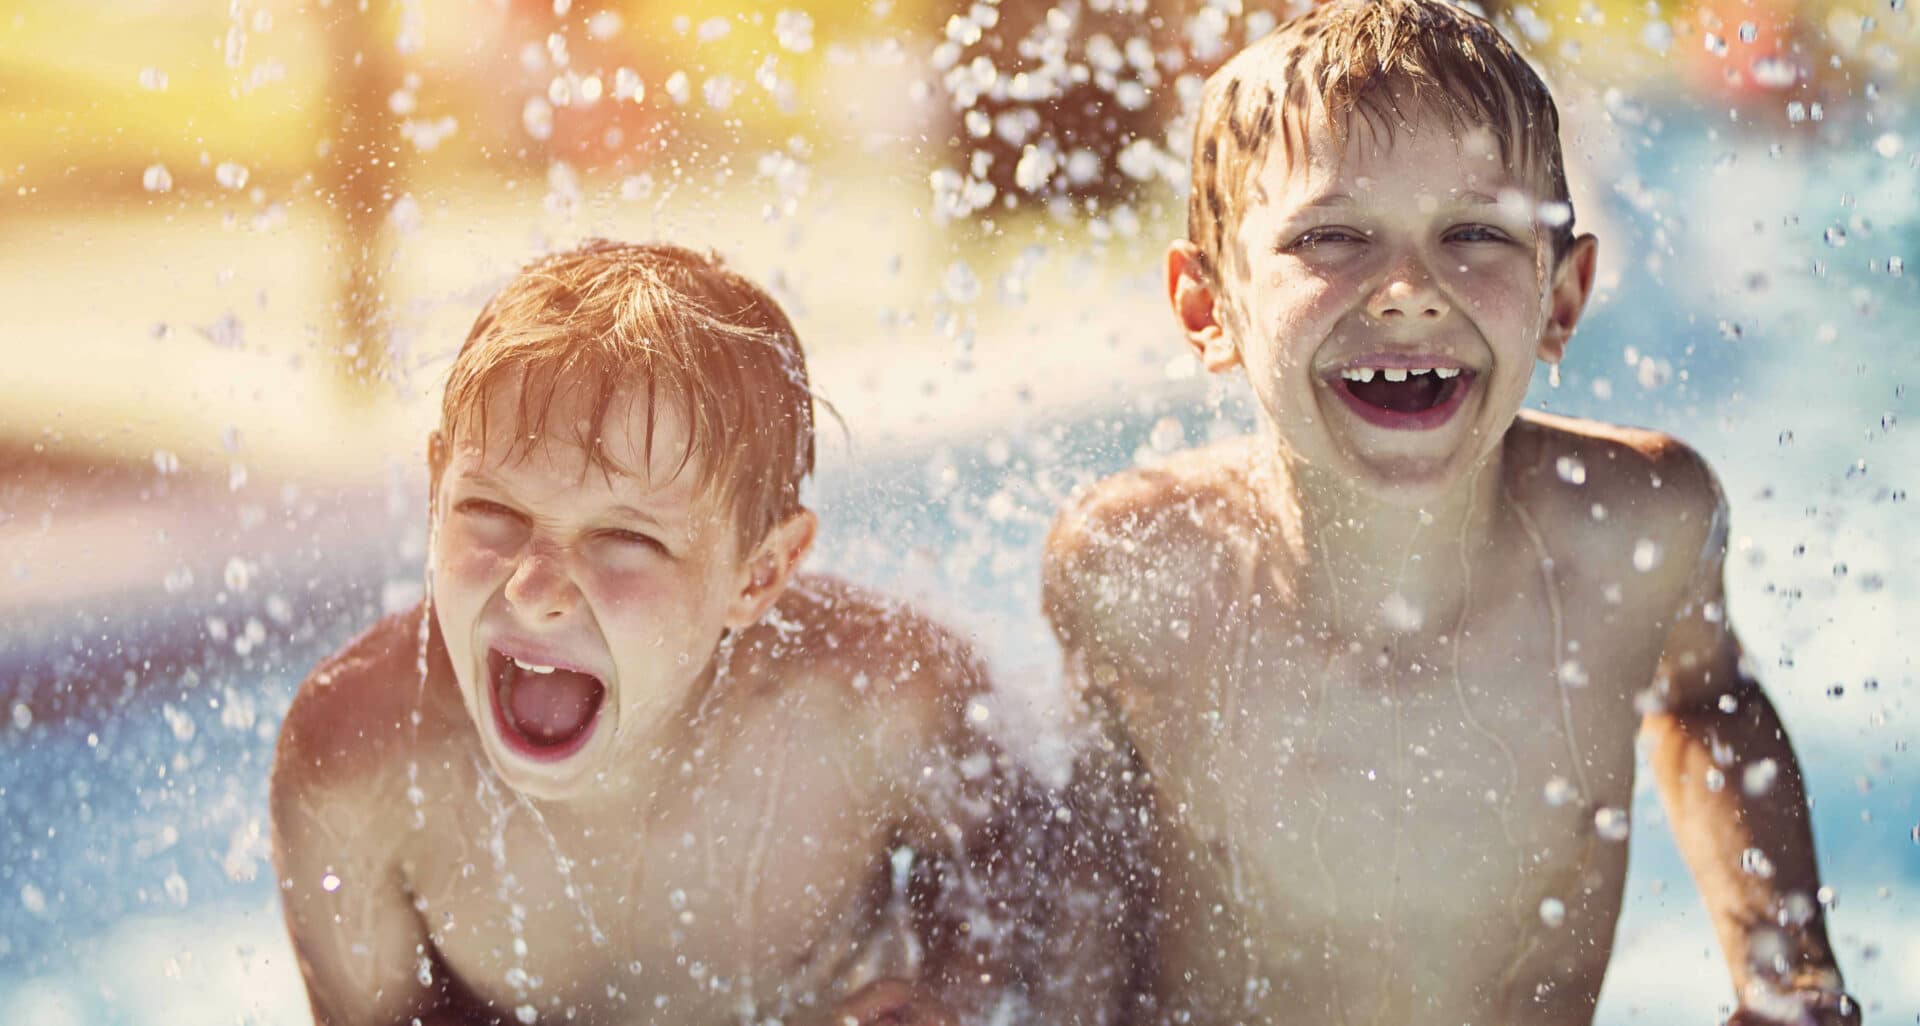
(1382, 665)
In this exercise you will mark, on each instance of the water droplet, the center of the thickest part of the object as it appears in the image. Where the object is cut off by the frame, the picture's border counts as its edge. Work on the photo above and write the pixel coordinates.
(1646, 555)
(424, 972)
(537, 118)
(1716, 781)
(719, 91)
(1553, 912)
(1827, 897)
(1036, 168)
(1749, 32)
(1571, 470)
(1773, 72)
(1401, 613)
(679, 88)
(1572, 674)
(329, 883)
(1888, 145)
(178, 722)
(1559, 791)
(526, 1014)
(22, 716)
(794, 31)
(1611, 823)
(238, 575)
(34, 899)
(156, 178)
(176, 887)
(1835, 236)
(230, 175)
(1754, 862)
(153, 79)
(960, 285)
(1896, 267)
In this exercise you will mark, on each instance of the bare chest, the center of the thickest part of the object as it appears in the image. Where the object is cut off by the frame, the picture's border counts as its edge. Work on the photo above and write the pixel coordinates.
(1429, 818)
(726, 903)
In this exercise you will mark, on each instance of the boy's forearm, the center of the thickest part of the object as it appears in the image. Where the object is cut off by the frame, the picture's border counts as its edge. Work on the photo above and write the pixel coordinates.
(1733, 792)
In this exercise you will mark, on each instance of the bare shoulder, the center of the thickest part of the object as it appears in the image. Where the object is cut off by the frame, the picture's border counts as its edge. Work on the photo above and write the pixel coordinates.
(359, 712)
(1139, 564)
(863, 653)
(1642, 495)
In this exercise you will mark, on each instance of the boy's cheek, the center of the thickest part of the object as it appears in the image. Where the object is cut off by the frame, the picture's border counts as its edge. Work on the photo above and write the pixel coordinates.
(461, 559)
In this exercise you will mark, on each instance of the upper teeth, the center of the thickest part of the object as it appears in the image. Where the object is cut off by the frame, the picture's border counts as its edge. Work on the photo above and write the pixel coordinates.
(532, 667)
(1365, 374)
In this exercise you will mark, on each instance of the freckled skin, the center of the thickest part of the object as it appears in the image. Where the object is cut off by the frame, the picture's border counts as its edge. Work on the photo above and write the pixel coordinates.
(1382, 681)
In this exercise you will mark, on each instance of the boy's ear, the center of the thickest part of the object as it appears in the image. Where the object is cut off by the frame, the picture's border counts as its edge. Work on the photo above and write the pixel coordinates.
(1572, 286)
(770, 567)
(1198, 309)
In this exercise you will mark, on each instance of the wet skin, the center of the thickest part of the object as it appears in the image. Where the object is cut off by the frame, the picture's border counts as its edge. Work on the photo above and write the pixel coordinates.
(1384, 675)
(737, 825)
(758, 857)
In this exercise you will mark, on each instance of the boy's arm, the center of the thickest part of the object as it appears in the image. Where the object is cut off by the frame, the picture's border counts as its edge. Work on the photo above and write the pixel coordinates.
(1733, 792)
(362, 949)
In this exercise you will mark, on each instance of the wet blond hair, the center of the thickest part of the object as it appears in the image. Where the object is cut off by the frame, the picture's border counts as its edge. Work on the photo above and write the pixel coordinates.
(658, 322)
(1374, 59)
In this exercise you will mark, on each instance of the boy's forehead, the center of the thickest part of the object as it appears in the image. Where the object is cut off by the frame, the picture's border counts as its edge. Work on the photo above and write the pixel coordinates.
(568, 425)
(1421, 159)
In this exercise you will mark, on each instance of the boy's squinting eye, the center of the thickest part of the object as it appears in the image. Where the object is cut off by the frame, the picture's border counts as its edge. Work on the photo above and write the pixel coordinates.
(626, 537)
(1476, 233)
(1322, 237)
(484, 508)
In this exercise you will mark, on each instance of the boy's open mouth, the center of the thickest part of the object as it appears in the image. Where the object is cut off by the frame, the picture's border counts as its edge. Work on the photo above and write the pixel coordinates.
(545, 712)
(1404, 398)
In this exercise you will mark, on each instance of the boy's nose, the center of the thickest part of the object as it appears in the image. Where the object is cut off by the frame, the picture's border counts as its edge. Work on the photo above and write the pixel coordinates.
(1408, 294)
(540, 587)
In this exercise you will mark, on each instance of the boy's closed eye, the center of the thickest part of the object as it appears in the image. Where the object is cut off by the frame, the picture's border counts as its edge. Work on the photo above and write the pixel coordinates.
(1477, 233)
(1323, 236)
(487, 509)
(628, 538)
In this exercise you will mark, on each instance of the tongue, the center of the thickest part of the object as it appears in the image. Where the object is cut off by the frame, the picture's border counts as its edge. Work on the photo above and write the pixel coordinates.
(1418, 393)
(549, 708)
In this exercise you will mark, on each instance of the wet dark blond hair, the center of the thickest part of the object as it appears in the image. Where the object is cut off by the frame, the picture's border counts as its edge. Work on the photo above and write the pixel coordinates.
(660, 323)
(1383, 61)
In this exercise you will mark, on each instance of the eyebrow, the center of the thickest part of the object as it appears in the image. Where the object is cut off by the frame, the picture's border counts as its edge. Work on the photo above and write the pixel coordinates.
(486, 480)
(1336, 199)
(635, 513)
(1331, 199)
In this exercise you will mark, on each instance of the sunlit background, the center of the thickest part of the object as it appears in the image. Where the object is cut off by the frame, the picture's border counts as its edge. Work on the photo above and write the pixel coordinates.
(239, 243)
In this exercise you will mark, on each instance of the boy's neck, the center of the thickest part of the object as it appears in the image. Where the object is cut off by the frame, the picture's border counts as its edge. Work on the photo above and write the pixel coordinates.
(1366, 567)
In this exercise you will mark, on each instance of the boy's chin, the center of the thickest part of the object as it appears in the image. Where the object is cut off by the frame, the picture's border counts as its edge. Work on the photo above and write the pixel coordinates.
(1407, 479)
